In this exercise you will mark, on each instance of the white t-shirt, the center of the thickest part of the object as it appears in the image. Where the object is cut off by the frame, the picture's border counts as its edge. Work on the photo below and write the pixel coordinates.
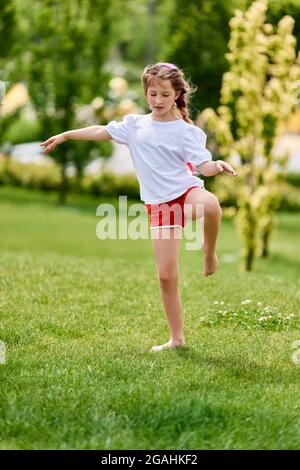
(160, 152)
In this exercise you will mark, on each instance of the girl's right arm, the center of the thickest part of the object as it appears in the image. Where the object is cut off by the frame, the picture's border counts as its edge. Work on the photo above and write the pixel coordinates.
(86, 133)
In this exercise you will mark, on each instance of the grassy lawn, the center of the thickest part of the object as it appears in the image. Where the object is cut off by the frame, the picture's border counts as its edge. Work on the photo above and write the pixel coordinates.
(79, 316)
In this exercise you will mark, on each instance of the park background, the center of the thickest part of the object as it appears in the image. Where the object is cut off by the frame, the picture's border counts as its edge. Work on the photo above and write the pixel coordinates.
(79, 314)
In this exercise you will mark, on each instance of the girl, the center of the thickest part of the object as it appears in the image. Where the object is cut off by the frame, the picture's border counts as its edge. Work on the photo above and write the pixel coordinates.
(166, 148)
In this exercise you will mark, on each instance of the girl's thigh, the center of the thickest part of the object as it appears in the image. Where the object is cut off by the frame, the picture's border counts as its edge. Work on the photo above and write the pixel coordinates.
(166, 246)
(196, 201)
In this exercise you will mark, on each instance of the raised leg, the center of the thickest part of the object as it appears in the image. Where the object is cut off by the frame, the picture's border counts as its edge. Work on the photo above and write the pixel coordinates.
(202, 203)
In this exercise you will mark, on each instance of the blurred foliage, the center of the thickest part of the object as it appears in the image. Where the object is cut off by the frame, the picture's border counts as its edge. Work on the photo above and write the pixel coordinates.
(290, 197)
(47, 177)
(8, 28)
(44, 177)
(110, 184)
(68, 51)
(23, 130)
(8, 38)
(194, 34)
(228, 194)
(198, 33)
(279, 8)
(197, 38)
(257, 96)
(64, 48)
(293, 179)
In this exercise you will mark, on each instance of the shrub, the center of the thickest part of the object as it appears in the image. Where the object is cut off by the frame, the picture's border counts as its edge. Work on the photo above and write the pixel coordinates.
(128, 185)
(44, 177)
(227, 190)
(47, 177)
(103, 184)
(22, 130)
(290, 198)
(4, 178)
(293, 179)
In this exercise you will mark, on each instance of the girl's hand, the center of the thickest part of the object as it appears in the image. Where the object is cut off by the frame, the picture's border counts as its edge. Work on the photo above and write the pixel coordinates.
(224, 166)
(52, 142)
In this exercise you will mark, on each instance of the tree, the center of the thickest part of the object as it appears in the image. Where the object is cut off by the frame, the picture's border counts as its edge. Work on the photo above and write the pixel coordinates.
(62, 59)
(7, 45)
(276, 10)
(198, 34)
(257, 95)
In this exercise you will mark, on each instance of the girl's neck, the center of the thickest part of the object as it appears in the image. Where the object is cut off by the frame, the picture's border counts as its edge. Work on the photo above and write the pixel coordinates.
(164, 119)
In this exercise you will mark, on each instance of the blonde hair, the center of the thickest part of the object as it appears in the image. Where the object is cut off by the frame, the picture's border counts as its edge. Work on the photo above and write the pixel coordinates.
(167, 71)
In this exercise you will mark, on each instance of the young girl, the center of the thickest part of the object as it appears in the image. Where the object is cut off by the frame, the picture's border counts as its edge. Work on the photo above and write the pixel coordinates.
(166, 148)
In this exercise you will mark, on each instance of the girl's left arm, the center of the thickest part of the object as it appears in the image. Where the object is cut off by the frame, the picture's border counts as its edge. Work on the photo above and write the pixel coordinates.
(212, 168)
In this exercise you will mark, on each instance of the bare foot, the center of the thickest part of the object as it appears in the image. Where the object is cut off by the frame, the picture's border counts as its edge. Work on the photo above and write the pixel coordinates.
(211, 263)
(169, 345)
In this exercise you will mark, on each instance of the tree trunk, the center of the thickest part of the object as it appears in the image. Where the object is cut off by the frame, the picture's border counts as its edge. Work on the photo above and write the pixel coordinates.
(249, 259)
(265, 243)
(78, 179)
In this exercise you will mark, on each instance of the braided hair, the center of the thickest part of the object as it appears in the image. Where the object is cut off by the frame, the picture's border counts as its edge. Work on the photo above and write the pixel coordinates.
(168, 71)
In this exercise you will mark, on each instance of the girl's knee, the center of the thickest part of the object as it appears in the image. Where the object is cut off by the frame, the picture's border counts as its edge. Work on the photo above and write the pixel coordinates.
(212, 207)
(218, 209)
(168, 279)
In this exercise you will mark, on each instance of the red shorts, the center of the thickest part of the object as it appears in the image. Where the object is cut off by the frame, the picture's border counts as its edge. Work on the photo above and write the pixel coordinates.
(168, 214)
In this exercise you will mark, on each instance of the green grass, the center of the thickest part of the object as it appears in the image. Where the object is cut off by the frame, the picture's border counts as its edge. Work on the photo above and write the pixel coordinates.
(79, 315)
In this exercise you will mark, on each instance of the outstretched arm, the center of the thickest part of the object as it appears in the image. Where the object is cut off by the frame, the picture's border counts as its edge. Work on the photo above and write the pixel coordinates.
(97, 133)
(212, 168)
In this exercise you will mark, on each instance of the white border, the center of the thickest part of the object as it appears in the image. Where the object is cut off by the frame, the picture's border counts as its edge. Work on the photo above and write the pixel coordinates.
(165, 226)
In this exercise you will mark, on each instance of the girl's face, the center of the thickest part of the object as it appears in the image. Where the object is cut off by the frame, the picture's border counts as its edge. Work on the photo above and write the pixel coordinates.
(161, 96)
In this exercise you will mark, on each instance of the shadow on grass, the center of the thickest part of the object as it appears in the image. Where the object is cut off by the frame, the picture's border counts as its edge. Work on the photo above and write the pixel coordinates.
(241, 367)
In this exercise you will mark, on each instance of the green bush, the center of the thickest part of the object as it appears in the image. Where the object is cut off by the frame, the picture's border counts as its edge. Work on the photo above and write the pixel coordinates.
(32, 176)
(22, 130)
(227, 191)
(290, 198)
(293, 179)
(128, 185)
(4, 177)
(103, 184)
(47, 178)
(109, 184)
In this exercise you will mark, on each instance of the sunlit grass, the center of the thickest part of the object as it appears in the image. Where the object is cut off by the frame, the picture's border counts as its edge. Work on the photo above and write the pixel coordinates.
(79, 316)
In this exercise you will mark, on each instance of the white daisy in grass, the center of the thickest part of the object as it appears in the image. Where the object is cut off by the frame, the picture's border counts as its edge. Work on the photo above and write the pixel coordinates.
(289, 317)
(247, 301)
